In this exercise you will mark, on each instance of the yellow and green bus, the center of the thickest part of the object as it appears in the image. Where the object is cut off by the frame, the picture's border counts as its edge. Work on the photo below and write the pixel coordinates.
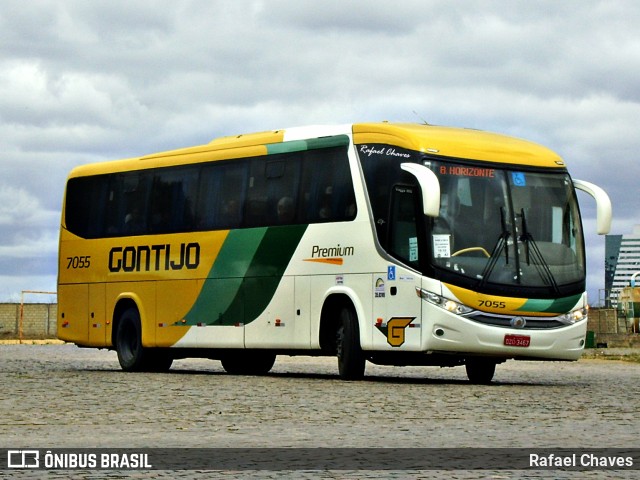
(397, 244)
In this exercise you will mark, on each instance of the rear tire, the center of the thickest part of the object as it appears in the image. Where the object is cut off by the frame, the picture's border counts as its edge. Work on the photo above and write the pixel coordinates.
(480, 371)
(129, 341)
(351, 359)
(132, 356)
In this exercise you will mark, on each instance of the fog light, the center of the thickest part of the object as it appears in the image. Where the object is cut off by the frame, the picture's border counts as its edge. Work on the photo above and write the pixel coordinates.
(518, 322)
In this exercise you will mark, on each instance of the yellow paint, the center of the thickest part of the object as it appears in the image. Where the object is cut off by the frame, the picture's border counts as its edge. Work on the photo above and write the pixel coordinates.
(162, 297)
(396, 330)
(493, 303)
(330, 261)
(458, 143)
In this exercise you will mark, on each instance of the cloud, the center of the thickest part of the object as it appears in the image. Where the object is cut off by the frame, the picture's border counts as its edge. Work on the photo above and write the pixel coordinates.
(18, 208)
(28, 242)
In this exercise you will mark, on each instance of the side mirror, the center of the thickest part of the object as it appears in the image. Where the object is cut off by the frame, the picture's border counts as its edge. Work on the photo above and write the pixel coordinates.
(603, 204)
(429, 185)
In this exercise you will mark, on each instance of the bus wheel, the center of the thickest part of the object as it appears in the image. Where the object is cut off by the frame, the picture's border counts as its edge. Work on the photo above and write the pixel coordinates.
(133, 357)
(480, 371)
(351, 359)
(129, 341)
(245, 362)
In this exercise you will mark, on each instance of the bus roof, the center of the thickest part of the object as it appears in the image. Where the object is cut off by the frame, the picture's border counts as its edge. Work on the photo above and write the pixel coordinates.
(447, 142)
(458, 143)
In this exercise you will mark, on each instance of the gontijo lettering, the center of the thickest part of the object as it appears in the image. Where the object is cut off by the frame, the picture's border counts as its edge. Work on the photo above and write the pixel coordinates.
(154, 257)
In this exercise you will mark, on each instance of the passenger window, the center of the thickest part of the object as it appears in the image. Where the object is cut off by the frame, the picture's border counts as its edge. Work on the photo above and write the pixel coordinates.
(327, 190)
(273, 190)
(307, 186)
(221, 195)
(85, 206)
(173, 200)
(132, 203)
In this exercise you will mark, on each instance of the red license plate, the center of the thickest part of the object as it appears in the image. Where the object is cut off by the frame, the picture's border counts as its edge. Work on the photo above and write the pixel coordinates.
(517, 340)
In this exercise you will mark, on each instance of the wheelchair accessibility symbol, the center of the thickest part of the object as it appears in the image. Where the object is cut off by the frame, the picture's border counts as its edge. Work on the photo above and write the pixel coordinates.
(391, 272)
(518, 178)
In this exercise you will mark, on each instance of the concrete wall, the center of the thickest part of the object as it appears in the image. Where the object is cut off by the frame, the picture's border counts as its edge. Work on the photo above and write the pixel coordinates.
(604, 320)
(38, 320)
(611, 330)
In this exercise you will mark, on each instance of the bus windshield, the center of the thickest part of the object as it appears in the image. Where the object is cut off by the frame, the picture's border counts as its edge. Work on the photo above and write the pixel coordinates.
(500, 227)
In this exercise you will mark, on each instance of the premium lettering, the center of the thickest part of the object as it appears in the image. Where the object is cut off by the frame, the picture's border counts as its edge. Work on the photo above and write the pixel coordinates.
(145, 258)
(325, 252)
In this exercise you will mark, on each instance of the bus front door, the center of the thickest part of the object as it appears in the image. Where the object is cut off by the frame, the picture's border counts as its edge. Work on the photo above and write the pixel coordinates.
(396, 310)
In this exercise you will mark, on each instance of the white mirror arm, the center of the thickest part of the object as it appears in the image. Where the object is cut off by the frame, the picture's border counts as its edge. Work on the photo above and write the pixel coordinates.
(429, 185)
(603, 205)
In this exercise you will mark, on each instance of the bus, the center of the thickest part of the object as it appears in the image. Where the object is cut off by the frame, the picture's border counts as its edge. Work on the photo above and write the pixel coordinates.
(395, 244)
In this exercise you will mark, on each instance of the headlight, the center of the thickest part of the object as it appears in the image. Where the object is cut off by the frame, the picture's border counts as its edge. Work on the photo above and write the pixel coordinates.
(574, 316)
(449, 305)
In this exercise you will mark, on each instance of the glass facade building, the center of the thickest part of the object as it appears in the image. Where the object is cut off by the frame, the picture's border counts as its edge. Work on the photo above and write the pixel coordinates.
(622, 260)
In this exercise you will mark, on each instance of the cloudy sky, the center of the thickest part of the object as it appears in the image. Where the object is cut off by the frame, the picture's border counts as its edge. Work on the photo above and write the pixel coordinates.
(88, 81)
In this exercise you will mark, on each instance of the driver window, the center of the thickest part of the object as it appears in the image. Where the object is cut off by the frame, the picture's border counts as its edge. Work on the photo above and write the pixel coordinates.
(403, 234)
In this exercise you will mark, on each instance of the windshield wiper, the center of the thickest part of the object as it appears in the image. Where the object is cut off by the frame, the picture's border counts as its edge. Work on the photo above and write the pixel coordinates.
(501, 244)
(533, 253)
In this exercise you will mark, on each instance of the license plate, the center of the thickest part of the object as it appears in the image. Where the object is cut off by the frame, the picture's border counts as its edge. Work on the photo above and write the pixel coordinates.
(517, 340)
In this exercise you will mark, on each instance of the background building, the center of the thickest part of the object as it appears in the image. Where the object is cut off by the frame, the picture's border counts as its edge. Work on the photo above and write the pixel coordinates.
(622, 260)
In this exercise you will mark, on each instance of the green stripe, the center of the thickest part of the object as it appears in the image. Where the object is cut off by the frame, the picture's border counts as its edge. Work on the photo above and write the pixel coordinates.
(237, 252)
(311, 144)
(245, 275)
(560, 305)
(286, 147)
(225, 278)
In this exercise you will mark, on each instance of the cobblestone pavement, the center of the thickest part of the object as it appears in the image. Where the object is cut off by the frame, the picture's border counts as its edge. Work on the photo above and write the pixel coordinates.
(63, 396)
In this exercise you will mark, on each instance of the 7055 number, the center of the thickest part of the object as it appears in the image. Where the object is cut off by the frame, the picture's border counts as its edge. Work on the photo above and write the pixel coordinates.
(79, 262)
(492, 304)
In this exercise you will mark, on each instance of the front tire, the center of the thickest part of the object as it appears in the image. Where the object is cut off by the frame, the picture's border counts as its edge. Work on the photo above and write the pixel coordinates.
(480, 371)
(351, 359)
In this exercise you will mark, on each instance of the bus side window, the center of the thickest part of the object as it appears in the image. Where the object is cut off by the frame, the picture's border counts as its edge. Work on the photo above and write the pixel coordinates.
(326, 187)
(403, 234)
(135, 199)
(113, 213)
(381, 172)
(221, 195)
(122, 207)
(85, 206)
(273, 190)
(173, 200)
